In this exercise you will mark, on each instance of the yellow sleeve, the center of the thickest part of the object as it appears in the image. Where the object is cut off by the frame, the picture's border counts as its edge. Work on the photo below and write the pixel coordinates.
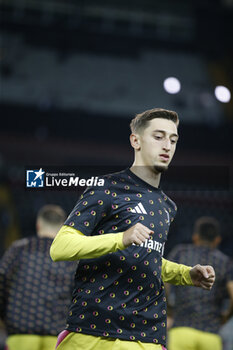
(71, 244)
(177, 274)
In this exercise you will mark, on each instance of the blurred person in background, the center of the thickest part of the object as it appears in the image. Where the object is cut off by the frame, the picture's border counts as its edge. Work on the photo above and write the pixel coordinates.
(226, 333)
(118, 232)
(2, 335)
(196, 317)
(35, 292)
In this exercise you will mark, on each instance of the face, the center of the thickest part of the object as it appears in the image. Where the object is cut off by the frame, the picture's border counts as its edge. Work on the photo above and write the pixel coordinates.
(157, 144)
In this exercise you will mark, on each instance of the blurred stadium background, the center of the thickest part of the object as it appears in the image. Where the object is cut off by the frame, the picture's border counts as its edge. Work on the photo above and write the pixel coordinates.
(73, 73)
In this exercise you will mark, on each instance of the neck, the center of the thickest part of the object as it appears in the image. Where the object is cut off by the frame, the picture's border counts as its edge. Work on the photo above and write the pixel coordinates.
(147, 174)
(45, 234)
(207, 244)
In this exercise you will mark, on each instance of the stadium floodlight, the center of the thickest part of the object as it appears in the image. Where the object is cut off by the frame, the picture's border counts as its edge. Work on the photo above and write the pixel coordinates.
(222, 94)
(172, 85)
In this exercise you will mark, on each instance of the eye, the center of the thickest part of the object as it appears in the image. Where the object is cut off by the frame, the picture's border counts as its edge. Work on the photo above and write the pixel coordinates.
(158, 137)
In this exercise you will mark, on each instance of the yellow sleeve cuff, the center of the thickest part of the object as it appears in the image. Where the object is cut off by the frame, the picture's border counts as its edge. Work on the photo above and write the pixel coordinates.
(177, 274)
(119, 240)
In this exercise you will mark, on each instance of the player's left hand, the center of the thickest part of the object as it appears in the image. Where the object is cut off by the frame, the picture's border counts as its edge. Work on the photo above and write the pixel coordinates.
(203, 276)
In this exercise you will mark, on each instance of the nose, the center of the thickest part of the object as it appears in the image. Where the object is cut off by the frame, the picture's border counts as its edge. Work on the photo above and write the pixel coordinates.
(167, 145)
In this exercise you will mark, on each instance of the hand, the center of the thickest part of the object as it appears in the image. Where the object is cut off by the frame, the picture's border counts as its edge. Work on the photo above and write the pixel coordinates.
(136, 234)
(203, 276)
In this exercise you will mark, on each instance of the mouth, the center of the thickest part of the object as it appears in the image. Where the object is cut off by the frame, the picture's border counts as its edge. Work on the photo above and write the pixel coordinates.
(164, 157)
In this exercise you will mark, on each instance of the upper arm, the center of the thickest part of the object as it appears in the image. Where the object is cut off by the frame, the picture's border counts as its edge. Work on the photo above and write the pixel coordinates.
(93, 205)
(64, 244)
(70, 244)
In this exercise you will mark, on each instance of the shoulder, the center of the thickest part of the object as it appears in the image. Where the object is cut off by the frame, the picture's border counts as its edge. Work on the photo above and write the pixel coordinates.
(14, 251)
(223, 265)
(169, 201)
(109, 183)
(119, 177)
(221, 257)
(21, 243)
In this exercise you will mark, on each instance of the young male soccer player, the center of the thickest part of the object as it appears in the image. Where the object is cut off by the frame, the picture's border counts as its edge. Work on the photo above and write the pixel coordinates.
(118, 233)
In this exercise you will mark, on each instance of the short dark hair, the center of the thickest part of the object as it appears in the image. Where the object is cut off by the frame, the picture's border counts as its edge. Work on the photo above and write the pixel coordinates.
(52, 214)
(208, 228)
(140, 121)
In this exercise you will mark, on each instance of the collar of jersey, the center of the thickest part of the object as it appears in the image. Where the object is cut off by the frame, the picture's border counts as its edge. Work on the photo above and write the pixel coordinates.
(141, 181)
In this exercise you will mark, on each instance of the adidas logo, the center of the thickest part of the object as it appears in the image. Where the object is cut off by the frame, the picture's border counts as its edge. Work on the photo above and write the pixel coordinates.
(139, 209)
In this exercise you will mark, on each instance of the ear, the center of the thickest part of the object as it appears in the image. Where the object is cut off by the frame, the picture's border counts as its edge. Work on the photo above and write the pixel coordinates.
(195, 238)
(38, 225)
(135, 141)
(217, 241)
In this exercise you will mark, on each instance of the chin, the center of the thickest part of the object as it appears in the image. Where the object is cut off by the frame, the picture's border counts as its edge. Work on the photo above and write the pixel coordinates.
(158, 169)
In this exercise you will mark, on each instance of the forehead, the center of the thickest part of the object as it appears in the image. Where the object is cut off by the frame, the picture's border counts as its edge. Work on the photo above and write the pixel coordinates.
(161, 124)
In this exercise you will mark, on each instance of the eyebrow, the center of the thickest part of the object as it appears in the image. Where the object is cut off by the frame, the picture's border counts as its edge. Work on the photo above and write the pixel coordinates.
(164, 132)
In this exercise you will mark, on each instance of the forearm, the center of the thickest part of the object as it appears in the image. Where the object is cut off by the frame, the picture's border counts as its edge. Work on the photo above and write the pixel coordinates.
(70, 244)
(177, 274)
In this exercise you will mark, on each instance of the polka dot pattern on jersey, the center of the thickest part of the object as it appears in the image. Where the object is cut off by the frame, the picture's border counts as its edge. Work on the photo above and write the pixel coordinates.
(123, 290)
(33, 285)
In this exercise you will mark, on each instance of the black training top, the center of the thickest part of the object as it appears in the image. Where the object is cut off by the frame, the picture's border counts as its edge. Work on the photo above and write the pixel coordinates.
(35, 292)
(121, 294)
